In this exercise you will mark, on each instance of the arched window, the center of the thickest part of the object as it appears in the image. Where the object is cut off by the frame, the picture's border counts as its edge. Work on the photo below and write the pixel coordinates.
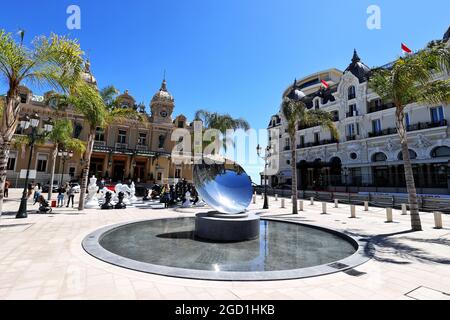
(379, 157)
(351, 93)
(412, 155)
(441, 152)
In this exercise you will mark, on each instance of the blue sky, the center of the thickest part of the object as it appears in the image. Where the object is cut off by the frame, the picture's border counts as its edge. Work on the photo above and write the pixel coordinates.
(234, 56)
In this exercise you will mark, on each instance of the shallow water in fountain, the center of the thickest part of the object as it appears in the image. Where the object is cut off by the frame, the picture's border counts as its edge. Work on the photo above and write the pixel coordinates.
(281, 246)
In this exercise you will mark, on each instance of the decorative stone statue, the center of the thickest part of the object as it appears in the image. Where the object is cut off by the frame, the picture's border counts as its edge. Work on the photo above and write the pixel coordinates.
(147, 196)
(117, 188)
(92, 200)
(187, 201)
(133, 198)
(107, 205)
(125, 189)
(120, 204)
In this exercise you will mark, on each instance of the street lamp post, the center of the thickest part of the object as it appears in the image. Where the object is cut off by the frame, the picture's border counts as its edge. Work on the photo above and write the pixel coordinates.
(65, 156)
(265, 157)
(25, 123)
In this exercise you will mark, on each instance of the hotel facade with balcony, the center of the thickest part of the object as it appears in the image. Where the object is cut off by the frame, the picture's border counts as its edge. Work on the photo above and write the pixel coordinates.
(137, 150)
(367, 156)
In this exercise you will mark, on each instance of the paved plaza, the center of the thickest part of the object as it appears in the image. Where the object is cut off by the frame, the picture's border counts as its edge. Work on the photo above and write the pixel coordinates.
(42, 258)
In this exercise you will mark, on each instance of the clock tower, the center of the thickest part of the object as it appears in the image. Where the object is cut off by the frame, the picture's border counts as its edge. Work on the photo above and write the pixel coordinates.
(162, 105)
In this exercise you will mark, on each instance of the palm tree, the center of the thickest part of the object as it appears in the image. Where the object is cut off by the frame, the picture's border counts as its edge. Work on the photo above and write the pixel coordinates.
(51, 61)
(62, 137)
(296, 114)
(221, 122)
(88, 101)
(412, 80)
(109, 96)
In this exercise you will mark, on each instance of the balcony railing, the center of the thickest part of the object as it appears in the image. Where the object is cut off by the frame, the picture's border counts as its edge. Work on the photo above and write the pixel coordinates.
(351, 138)
(352, 114)
(316, 143)
(381, 133)
(374, 108)
(99, 143)
(287, 148)
(121, 146)
(427, 125)
(141, 147)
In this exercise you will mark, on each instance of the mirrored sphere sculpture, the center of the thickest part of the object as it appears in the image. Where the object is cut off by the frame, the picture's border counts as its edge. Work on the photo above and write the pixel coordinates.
(224, 186)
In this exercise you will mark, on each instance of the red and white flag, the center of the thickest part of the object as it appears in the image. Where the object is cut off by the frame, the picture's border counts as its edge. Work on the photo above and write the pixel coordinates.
(406, 49)
(326, 85)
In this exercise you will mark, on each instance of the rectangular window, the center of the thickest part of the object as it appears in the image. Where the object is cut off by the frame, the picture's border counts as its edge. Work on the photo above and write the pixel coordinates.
(376, 126)
(72, 171)
(142, 140)
(335, 115)
(316, 137)
(11, 162)
(302, 141)
(23, 98)
(437, 114)
(288, 142)
(122, 137)
(99, 134)
(180, 124)
(351, 129)
(407, 120)
(352, 111)
(42, 163)
(177, 173)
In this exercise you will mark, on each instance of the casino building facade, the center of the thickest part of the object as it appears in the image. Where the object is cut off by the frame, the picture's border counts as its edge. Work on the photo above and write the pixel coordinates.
(367, 156)
(138, 150)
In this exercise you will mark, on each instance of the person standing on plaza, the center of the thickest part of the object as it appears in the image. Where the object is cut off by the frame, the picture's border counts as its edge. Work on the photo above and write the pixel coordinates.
(71, 195)
(61, 192)
(6, 189)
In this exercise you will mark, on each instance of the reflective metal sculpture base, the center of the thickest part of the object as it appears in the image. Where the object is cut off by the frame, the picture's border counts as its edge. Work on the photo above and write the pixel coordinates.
(218, 227)
(228, 189)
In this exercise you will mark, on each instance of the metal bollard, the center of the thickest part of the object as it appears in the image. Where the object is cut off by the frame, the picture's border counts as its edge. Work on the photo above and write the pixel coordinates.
(404, 210)
(366, 205)
(254, 199)
(438, 220)
(301, 205)
(352, 211)
(336, 203)
(324, 208)
(389, 216)
(283, 204)
(276, 197)
(312, 201)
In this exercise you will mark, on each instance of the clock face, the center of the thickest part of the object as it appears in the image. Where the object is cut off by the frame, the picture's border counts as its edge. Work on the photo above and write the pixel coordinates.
(163, 114)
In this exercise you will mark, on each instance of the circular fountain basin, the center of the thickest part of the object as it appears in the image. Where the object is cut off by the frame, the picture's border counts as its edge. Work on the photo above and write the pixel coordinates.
(283, 250)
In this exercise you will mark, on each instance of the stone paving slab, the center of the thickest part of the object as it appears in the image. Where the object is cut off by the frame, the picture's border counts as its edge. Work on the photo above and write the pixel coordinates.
(41, 258)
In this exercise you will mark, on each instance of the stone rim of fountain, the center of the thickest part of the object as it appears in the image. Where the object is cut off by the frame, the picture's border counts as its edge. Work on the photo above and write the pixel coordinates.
(91, 244)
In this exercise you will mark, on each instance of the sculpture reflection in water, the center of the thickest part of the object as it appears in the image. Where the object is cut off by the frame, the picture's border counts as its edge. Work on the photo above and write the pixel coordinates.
(224, 186)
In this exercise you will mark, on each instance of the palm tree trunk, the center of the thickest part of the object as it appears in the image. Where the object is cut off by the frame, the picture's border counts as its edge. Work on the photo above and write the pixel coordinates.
(294, 174)
(8, 126)
(55, 153)
(4, 155)
(85, 172)
(409, 174)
